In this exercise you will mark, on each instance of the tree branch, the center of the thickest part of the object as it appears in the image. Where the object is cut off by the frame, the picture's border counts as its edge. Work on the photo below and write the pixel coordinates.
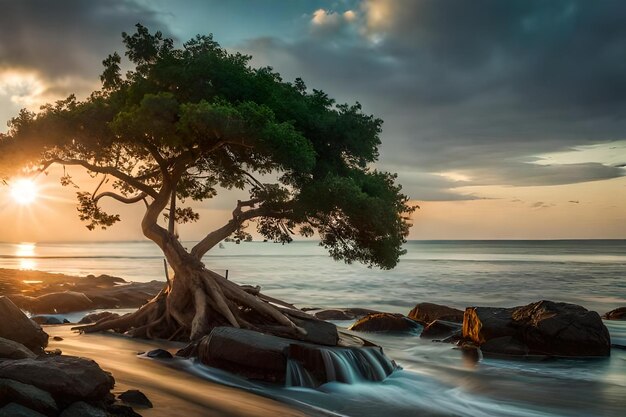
(239, 217)
(104, 170)
(120, 198)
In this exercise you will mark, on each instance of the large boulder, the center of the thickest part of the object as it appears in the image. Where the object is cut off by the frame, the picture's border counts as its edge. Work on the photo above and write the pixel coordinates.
(14, 325)
(270, 358)
(617, 314)
(426, 313)
(541, 328)
(28, 396)
(62, 302)
(67, 378)
(385, 322)
(13, 350)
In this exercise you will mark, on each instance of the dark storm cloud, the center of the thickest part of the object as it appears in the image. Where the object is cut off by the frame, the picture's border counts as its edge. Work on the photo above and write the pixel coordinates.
(66, 38)
(479, 86)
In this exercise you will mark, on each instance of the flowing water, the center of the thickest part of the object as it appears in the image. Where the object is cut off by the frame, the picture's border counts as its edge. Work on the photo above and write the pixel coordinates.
(435, 379)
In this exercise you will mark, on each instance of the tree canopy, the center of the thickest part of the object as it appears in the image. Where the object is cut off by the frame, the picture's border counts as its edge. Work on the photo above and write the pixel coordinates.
(188, 122)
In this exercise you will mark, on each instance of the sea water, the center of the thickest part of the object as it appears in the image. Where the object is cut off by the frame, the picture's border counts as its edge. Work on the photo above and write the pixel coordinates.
(436, 379)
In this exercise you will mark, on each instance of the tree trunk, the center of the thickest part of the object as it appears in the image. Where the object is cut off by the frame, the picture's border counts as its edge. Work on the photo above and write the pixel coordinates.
(197, 300)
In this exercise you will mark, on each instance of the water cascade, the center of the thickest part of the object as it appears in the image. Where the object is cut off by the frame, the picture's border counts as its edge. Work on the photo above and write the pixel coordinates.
(347, 365)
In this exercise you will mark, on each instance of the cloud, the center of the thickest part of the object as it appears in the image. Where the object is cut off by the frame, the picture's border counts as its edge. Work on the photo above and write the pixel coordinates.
(49, 51)
(479, 87)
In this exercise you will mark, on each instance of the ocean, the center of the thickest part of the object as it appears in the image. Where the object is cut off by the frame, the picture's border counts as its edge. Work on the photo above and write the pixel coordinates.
(435, 379)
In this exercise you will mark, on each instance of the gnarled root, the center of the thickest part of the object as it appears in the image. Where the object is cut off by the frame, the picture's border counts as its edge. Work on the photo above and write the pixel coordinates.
(195, 304)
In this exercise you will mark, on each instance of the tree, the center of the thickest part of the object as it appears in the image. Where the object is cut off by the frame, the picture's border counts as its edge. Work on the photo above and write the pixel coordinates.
(188, 122)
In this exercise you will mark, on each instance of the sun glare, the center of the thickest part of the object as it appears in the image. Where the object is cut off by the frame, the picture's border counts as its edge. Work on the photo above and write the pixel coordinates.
(24, 191)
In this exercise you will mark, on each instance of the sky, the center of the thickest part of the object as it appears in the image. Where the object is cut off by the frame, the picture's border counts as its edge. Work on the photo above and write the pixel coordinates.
(503, 119)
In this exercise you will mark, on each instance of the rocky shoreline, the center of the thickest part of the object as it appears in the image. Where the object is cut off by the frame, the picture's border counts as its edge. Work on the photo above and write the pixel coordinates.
(36, 382)
(540, 329)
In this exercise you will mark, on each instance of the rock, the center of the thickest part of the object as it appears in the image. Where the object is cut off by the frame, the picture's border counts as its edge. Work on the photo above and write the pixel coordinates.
(14, 325)
(617, 314)
(103, 281)
(245, 352)
(62, 302)
(159, 354)
(426, 313)
(541, 328)
(136, 398)
(13, 350)
(440, 329)
(485, 323)
(265, 357)
(343, 313)
(28, 396)
(505, 345)
(48, 320)
(94, 317)
(385, 322)
(24, 302)
(16, 410)
(57, 338)
(66, 378)
(82, 409)
(118, 410)
(317, 331)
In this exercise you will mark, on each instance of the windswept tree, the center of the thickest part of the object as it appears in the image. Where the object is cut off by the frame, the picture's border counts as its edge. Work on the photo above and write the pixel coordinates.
(187, 123)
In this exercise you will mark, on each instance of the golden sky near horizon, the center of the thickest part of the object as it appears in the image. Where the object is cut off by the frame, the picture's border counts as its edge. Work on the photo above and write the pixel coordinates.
(576, 211)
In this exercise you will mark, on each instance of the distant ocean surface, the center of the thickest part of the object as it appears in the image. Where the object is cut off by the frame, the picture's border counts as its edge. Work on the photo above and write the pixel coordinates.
(436, 379)
(591, 273)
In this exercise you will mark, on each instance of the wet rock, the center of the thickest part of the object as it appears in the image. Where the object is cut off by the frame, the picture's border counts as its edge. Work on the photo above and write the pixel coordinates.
(103, 281)
(136, 398)
(265, 357)
(14, 325)
(440, 329)
(24, 302)
(541, 328)
(57, 338)
(385, 322)
(16, 410)
(66, 378)
(13, 350)
(94, 317)
(343, 313)
(118, 410)
(82, 409)
(62, 302)
(48, 320)
(426, 313)
(245, 352)
(159, 354)
(317, 331)
(617, 314)
(28, 396)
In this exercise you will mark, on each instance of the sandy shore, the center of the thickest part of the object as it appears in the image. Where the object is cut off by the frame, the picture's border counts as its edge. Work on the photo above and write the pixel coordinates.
(172, 391)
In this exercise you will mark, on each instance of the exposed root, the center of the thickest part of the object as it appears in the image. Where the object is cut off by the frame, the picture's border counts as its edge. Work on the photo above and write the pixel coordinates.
(187, 309)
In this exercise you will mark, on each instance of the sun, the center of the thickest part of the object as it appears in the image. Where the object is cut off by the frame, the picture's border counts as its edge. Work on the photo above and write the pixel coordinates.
(24, 191)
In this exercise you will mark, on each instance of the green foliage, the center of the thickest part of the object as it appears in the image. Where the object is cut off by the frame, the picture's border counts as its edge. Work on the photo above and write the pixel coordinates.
(225, 123)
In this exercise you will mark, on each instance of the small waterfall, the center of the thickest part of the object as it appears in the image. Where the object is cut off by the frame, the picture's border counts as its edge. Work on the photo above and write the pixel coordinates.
(347, 365)
(298, 376)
